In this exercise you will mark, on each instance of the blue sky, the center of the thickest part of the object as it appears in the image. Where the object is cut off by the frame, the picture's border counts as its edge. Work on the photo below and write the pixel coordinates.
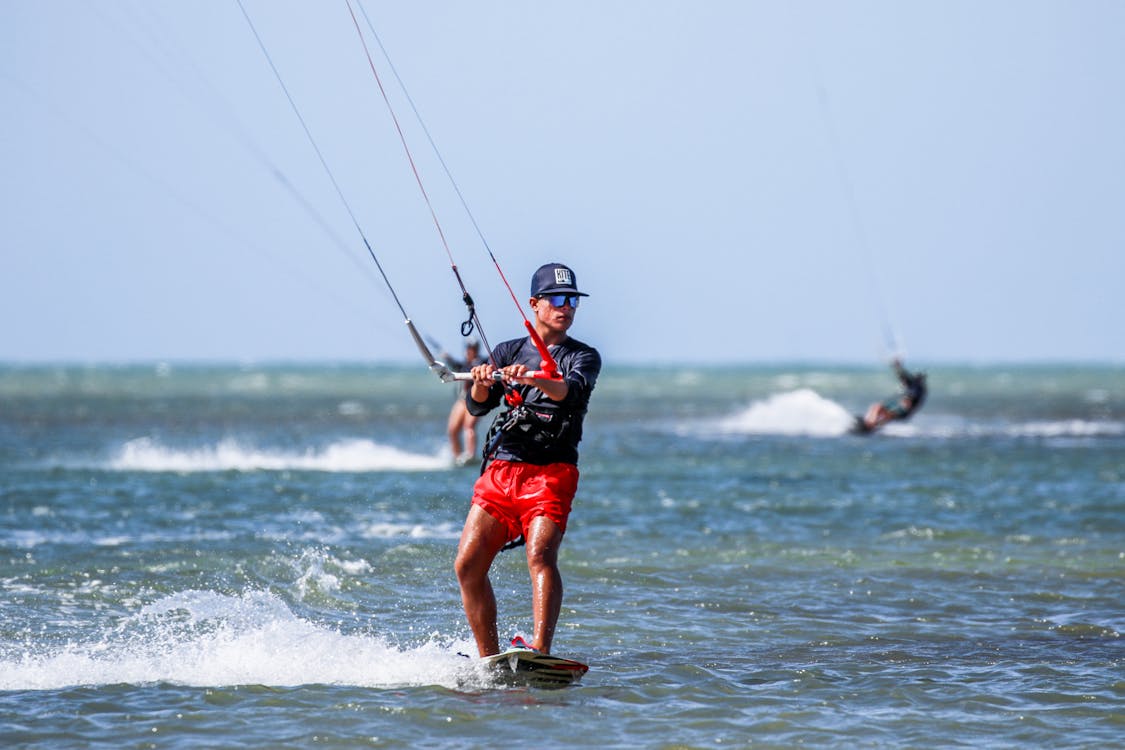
(731, 181)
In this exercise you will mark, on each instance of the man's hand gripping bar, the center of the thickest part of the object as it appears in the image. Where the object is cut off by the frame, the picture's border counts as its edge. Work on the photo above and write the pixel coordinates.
(548, 368)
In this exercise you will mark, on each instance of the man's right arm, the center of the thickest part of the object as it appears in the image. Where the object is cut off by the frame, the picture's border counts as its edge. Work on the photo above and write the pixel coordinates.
(485, 393)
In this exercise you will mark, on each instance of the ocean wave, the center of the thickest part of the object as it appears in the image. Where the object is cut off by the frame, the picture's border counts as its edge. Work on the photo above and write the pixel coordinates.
(206, 638)
(299, 524)
(30, 538)
(804, 412)
(355, 455)
(945, 426)
(389, 530)
(1066, 428)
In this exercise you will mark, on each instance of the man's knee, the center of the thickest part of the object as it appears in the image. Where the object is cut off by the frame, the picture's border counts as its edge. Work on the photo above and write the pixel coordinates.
(543, 554)
(472, 562)
(467, 567)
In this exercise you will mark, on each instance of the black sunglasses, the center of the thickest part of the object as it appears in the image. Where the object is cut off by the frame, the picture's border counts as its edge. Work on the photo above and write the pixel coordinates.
(560, 300)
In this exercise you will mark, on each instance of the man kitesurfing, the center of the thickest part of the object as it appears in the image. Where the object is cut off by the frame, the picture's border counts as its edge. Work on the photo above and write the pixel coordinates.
(530, 474)
(898, 407)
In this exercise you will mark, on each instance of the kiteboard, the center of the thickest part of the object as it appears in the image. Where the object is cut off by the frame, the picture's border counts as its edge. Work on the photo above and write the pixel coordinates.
(859, 426)
(526, 666)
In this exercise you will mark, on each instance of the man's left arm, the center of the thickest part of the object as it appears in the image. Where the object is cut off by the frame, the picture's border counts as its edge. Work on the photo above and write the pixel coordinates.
(581, 375)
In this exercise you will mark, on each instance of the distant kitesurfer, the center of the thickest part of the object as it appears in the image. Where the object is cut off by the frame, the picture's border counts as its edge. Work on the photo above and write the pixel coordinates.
(462, 426)
(530, 474)
(897, 407)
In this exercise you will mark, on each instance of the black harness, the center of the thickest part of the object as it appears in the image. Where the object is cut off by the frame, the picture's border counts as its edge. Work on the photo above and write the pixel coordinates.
(533, 427)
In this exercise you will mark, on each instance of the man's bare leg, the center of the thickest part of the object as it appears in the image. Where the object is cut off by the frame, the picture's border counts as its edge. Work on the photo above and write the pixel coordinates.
(543, 541)
(481, 539)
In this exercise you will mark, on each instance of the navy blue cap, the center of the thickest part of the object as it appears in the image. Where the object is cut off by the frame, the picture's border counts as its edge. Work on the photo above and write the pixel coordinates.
(555, 278)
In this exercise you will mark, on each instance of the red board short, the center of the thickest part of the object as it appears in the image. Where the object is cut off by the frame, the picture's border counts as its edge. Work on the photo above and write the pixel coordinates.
(516, 493)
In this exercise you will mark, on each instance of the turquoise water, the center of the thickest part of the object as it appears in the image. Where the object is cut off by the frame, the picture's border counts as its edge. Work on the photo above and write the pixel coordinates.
(262, 557)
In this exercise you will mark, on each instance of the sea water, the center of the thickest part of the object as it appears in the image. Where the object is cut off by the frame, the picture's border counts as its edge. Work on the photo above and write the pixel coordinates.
(253, 556)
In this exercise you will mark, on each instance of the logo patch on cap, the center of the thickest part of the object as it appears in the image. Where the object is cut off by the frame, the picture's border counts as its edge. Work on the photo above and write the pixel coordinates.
(562, 277)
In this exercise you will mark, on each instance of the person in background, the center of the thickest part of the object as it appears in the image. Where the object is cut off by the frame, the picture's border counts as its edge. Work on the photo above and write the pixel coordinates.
(530, 472)
(462, 426)
(897, 407)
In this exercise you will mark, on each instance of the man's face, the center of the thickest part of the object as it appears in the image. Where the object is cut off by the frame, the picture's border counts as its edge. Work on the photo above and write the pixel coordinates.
(554, 318)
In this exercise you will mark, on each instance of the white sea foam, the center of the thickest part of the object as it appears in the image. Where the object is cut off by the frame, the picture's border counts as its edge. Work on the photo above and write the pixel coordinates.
(390, 530)
(1066, 428)
(204, 638)
(799, 412)
(319, 571)
(146, 454)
